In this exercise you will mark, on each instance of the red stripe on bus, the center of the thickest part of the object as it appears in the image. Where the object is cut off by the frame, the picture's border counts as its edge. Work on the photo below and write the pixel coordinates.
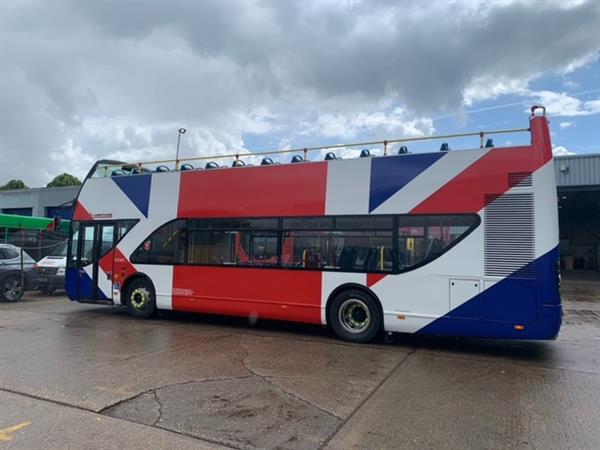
(373, 278)
(286, 190)
(256, 293)
(117, 265)
(81, 213)
(489, 175)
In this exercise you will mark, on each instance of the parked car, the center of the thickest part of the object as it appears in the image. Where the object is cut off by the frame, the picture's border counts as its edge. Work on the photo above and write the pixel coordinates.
(12, 284)
(50, 271)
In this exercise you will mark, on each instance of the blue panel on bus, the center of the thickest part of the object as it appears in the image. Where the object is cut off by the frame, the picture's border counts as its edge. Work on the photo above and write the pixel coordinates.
(85, 285)
(512, 301)
(389, 175)
(137, 189)
(80, 286)
(71, 276)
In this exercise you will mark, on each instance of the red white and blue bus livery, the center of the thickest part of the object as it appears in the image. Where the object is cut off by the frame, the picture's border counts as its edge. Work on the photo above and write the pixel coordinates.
(460, 243)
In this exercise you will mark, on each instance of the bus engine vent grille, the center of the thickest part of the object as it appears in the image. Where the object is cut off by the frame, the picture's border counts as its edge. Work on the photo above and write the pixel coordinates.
(509, 241)
(519, 179)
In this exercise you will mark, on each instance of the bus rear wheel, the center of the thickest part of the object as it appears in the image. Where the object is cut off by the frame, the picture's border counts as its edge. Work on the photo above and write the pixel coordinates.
(141, 299)
(355, 316)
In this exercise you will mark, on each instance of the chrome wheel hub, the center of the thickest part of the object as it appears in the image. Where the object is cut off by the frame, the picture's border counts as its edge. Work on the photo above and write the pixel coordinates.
(354, 315)
(140, 298)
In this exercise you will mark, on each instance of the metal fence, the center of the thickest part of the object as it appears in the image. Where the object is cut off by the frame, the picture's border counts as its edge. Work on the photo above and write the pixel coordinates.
(18, 262)
(37, 243)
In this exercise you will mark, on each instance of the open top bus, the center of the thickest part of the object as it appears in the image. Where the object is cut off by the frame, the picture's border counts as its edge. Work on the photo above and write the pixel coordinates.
(461, 243)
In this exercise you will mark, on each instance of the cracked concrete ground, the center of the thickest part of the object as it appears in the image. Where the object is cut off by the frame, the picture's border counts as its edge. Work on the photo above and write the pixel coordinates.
(74, 376)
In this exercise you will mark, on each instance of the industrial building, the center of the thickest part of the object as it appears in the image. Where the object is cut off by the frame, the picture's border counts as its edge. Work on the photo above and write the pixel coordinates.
(40, 202)
(578, 180)
(577, 176)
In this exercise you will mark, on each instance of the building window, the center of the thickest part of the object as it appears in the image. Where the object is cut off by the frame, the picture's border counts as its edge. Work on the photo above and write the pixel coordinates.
(18, 211)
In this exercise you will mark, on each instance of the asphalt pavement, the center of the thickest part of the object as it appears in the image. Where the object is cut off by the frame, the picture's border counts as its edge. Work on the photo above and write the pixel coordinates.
(85, 376)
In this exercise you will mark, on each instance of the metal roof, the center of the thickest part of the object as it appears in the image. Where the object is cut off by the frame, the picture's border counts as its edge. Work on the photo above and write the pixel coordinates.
(577, 170)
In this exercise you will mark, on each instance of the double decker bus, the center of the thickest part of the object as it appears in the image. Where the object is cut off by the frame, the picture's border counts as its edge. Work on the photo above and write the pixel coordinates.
(456, 243)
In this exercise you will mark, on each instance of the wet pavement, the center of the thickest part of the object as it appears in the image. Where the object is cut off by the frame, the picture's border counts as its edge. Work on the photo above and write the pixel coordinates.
(84, 376)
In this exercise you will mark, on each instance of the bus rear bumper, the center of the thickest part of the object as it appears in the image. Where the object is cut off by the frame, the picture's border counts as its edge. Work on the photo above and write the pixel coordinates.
(546, 327)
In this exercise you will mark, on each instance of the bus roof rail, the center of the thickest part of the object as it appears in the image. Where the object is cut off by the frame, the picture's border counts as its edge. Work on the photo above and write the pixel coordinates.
(139, 166)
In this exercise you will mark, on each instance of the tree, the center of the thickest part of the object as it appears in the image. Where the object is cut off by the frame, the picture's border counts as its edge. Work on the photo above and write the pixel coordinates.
(13, 184)
(64, 179)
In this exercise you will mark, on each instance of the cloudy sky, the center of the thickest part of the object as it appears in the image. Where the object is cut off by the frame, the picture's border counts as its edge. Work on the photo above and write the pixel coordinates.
(86, 80)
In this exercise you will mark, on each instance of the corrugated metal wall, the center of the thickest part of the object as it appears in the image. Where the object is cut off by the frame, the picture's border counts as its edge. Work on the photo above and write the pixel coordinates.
(38, 199)
(577, 170)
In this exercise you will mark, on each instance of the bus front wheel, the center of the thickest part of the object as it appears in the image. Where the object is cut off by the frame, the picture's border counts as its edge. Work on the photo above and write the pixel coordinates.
(355, 316)
(140, 299)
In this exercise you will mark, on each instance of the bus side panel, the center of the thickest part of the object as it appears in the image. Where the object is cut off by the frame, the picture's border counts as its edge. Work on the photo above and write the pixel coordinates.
(507, 296)
(286, 190)
(259, 293)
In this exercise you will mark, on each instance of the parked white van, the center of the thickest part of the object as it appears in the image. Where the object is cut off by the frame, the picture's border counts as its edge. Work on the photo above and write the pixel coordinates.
(51, 271)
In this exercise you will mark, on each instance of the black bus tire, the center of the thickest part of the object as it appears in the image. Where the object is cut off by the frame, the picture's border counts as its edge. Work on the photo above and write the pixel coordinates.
(140, 299)
(355, 316)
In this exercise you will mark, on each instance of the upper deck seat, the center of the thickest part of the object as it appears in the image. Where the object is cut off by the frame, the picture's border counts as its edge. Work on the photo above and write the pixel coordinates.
(365, 153)
(297, 159)
(444, 147)
(187, 167)
(403, 150)
(117, 173)
(211, 165)
(489, 143)
(330, 156)
(162, 169)
(238, 163)
(266, 162)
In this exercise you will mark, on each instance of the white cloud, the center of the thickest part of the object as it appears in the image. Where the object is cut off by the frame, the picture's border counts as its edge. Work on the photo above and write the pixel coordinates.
(565, 125)
(562, 104)
(570, 84)
(373, 123)
(491, 87)
(583, 61)
(80, 81)
(561, 151)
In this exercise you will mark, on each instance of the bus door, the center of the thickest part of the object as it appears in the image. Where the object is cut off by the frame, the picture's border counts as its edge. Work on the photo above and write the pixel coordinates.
(95, 245)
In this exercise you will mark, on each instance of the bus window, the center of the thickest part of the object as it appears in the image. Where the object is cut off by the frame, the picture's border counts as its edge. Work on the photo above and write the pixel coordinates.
(123, 227)
(166, 245)
(232, 247)
(242, 242)
(424, 238)
(353, 251)
(72, 260)
(107, 235)
(221, 248)
(258, 248)
(87, 248)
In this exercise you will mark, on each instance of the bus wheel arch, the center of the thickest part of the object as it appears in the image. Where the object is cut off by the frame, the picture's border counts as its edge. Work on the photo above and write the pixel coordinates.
(139, 296)
(350, 297)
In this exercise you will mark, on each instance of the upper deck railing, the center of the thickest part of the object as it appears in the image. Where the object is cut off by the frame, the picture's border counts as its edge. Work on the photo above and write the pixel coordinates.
(104, 170)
